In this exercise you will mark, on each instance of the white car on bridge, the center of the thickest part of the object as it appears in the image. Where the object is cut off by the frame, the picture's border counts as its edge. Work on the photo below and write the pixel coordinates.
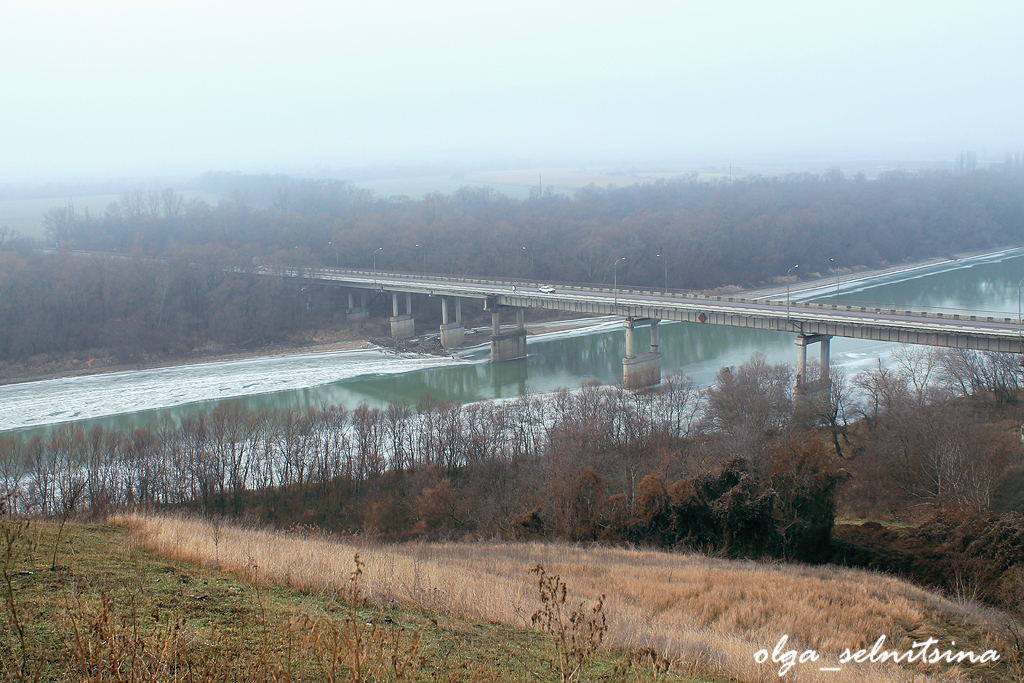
(546, 289)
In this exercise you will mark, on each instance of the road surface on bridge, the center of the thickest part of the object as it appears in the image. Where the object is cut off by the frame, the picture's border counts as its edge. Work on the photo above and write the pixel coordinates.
(979, 331)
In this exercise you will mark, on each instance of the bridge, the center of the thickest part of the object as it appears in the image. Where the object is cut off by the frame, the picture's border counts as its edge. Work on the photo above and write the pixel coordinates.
(813, 323)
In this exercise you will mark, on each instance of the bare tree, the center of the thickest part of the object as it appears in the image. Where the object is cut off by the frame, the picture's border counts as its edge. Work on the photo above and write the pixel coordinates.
(677, 405)
(750, 404)
(12, 472)
(884, 389)
(834, 409)
(133, 205)
(919, 366)
(969, 372)
(173, 203)
(153, 201)
(57, 224)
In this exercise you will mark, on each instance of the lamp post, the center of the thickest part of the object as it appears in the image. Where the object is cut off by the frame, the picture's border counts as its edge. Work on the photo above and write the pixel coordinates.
(615, 286)
(532, 265)
(423, 252)
(375, 266)
(666, 272)
(337, 259)
(1020, 328)
(787, 294)
(832, 260)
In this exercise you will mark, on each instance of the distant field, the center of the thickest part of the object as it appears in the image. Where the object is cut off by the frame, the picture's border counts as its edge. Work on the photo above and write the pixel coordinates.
(710, 616)
(557, 177)
(516, 183)
(26, 215)
(415, 188)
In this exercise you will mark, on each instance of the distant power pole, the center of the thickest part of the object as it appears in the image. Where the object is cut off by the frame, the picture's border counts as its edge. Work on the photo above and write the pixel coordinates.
(540, 185)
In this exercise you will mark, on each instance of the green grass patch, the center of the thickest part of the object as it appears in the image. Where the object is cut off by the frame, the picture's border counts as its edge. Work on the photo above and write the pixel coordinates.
(107, 609)
(887, 523)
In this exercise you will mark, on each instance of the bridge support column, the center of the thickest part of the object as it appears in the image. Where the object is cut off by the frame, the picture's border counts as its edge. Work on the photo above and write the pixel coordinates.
(825, 343)
(801, 360)
(641, 370)
(452, 333)
(510, 345)
(402, 326)
(806, 390)
(357, 312)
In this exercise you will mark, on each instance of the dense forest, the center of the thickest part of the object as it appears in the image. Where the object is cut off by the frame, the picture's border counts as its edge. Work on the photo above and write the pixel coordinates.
(708, 234)
(170, 293)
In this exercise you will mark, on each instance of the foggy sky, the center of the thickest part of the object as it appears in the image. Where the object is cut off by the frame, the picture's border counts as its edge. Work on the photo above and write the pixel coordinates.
(118, 87)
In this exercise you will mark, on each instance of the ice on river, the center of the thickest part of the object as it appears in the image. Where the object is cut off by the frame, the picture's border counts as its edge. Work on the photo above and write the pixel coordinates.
(30, 404)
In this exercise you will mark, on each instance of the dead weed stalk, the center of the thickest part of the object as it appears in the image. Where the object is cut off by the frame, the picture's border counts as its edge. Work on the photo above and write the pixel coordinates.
(577, 631)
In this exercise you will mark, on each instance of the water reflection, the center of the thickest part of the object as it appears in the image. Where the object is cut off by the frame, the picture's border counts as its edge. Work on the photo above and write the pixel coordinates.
(989, 286)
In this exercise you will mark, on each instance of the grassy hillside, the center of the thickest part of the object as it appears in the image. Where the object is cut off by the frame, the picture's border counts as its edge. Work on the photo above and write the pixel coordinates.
(705, 615)
(108, 609)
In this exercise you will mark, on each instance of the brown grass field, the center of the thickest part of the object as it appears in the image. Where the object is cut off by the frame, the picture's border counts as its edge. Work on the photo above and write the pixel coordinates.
(710, 616)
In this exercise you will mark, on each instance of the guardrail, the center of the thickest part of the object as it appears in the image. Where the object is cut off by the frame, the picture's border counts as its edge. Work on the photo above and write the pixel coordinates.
(680, 295)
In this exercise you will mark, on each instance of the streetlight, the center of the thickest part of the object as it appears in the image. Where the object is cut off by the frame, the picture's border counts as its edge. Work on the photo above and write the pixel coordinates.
(832, 260)
(666, 272)
(532, 265)
(375, 266)
(1020, 330)
(424, 253)
(787, 294)
(337, 259)
(615, 287)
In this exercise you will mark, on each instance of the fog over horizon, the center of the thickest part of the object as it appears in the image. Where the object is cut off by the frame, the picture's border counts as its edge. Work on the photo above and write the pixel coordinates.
(113, 89)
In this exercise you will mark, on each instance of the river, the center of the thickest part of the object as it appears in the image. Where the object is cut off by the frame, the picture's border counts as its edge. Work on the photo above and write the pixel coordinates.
(561, 359)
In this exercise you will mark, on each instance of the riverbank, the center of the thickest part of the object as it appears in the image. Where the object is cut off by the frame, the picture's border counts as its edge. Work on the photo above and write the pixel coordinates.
(48, 367)
(848, 277)
(350, 337)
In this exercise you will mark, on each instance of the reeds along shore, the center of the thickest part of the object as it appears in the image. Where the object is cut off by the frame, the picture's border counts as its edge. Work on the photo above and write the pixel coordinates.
(712, 615)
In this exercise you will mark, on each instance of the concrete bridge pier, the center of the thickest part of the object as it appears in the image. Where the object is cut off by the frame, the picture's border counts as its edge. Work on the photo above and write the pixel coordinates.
(641, 370)
(811, 389)
(357, 312)
(452, 332)
(510, 345)
(402, 326)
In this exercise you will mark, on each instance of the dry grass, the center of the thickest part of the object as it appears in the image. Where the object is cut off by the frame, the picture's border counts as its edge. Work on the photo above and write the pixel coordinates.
(113, 611)
(713, 615)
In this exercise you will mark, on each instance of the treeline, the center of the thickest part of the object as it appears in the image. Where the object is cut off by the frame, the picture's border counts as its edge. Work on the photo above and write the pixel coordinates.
(706, 234)
(732, 469)
(171, 296)
(134, 307)
(344, 461)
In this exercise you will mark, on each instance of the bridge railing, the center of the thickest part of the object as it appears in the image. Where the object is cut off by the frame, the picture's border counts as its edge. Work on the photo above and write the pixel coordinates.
(686, 295)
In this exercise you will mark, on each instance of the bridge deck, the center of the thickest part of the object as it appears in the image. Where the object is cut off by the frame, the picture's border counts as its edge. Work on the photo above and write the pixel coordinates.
(987, 333)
